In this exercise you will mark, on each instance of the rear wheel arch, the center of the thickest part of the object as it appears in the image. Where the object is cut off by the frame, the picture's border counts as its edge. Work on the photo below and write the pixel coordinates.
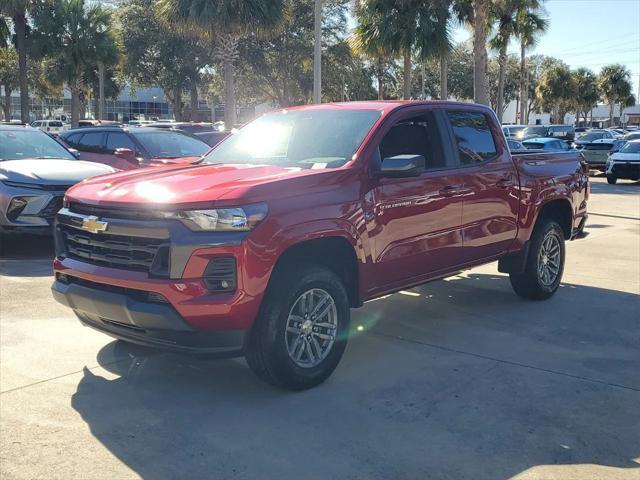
(559, 210)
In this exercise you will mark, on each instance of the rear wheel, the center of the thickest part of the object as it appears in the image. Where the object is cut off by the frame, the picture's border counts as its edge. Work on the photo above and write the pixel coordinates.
(302, 330)
(612, 179)
(545, 263)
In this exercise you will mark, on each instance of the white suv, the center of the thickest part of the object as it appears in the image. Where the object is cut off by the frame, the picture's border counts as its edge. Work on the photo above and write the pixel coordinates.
(54, 127)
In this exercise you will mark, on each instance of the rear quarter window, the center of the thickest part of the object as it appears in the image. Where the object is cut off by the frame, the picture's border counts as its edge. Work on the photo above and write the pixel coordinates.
(473, 137)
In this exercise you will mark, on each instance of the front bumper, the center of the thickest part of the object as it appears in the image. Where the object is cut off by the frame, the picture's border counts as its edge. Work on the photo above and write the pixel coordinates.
(39, 212)
(626, 170)
(140, 318)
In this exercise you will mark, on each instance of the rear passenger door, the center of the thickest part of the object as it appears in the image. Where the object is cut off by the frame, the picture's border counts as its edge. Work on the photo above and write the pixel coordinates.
(91, 147)
(491, 190)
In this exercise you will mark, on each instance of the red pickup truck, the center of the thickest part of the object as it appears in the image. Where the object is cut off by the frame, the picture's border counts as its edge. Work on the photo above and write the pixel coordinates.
(262, 248)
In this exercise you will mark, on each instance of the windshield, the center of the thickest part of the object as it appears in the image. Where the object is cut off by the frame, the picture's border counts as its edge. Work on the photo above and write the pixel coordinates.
(19, 144)
(302, 139)
(535, 131)
(631, 147)
(591, 136)
(170, 144)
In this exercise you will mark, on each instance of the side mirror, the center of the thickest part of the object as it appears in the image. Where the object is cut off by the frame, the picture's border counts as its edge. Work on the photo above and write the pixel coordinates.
(74, 152)
(400, 166)
(127, 154)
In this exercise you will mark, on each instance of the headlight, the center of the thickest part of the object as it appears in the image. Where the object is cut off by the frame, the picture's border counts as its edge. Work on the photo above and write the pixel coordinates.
(237, 219)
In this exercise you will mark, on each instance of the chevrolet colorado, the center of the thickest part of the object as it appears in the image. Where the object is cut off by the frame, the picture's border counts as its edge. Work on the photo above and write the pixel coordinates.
(262, 247)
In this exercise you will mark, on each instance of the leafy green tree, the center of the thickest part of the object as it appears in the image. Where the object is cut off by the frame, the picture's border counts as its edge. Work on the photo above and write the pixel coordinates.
(154, 54)
(18, 11)
(509, 70)
(536, 66)
(461, 79)
(556, 92)
(227, 22)
(530, 23)
(368, 41)
(401, 28)
(587, 94)
(614, 83)
(505, 14)
(9, 79)
(75, 37)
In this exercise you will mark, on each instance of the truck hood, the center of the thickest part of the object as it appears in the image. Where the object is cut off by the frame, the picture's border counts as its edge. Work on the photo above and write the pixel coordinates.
(51, 171)
(179, 184)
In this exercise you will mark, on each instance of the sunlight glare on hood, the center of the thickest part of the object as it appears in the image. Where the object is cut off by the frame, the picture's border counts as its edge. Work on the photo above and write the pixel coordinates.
(154, 192)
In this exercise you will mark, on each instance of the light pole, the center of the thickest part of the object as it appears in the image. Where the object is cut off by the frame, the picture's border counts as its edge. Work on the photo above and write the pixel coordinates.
(317, 53)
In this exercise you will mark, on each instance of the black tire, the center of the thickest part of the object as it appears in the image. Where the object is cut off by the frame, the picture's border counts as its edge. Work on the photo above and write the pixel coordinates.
(267, 352)
(530, 284)
(612, 179)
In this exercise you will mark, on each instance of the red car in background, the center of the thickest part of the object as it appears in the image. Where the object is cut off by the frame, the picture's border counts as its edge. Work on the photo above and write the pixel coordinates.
(128, 148)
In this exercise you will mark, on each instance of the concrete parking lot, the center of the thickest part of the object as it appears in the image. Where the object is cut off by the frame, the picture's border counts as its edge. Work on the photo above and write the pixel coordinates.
(458, 379)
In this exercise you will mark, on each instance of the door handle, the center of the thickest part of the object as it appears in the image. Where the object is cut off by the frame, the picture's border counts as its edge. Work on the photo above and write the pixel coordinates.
(450, 190)
(505, 182)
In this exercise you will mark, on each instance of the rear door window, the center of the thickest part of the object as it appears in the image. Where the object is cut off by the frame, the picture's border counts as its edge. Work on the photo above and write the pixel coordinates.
(473, 137)
(119, 140)
(91, 142)
(72, 140)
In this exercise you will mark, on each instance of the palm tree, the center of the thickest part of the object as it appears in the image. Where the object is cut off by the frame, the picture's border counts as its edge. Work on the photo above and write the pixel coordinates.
(367, 40)
(226, 21)
(586, 92)
(437, 40)
(529, 24)
(18, 11)
(614, 85)
(76, 37)
(476, 14)
(504, 11)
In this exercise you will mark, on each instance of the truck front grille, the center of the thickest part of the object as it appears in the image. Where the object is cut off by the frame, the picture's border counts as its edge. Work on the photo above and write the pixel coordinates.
(118, 251)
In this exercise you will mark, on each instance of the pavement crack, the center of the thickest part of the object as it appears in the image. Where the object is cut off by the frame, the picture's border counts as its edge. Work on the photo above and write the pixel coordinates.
(506, 362)
(15, 389)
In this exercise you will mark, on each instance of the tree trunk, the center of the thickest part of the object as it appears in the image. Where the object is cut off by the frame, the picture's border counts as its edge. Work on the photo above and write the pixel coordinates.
(6, 105)
(611, 105)
(227, 52)
(480, 91)
(177, 103)
(194, 101)
(523, 84)
(317, 52)
(502, 62)
(406, 87)
(380, 72)
(100, 110)
(75, 105)
(229, 95)
(20, 26)
(444, 76)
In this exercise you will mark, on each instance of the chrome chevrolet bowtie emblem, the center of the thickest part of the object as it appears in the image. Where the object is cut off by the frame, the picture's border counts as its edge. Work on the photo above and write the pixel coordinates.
(93, 225)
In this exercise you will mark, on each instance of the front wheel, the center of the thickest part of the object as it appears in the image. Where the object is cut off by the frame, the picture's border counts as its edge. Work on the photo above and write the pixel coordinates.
(611, 179)
(302, 330)
(545, 263)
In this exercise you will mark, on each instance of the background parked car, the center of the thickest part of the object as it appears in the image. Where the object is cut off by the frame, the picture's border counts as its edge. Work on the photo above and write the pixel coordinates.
(515, 145)
(35, 172)
(513, 131)
(631, 136)
(624, 163)
(597, 152)
(562, 132)
(546, 144)
(54, 127)
(580, 130)
(592, 136)
(127, 148)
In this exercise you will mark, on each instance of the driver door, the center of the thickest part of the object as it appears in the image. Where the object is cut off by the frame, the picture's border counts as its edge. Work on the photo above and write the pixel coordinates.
(415, 223)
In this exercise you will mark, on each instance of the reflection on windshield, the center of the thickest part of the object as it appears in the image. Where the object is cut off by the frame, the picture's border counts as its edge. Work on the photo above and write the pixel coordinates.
(171, 144)
(299, 139)
(21, 144)
(631, 147)
(589, 137)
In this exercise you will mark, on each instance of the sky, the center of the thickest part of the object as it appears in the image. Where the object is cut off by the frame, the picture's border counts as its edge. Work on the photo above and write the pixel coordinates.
(589, 33)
